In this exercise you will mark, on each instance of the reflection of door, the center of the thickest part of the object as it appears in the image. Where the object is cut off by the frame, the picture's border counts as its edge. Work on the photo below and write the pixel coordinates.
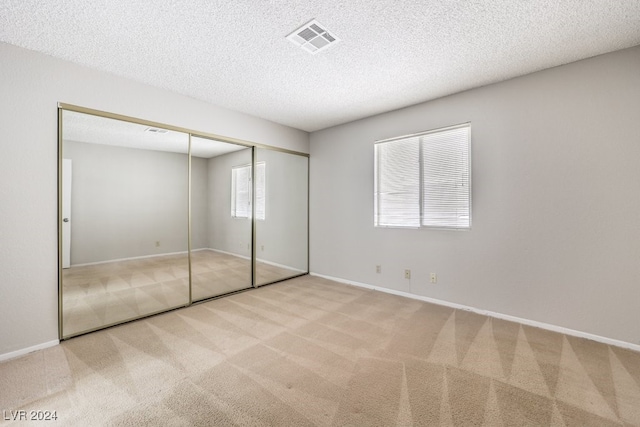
(66, 213)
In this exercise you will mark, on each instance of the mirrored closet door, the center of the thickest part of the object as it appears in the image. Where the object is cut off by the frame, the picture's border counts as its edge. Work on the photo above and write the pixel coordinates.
(281, 186)
(153, 218)
(220, 217)
(124, 245)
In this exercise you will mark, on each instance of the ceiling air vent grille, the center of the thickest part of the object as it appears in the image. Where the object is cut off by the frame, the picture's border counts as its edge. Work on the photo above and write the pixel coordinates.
(313, 37)
(155, 130)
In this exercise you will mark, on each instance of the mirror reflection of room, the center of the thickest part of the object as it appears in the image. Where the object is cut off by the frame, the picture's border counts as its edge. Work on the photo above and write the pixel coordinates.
(154, 219)
(282, 221)
(125, 221)
(220, 218)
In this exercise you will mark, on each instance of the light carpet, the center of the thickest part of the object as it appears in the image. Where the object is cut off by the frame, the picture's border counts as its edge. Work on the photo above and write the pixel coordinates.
(310, 351)
(113, 292)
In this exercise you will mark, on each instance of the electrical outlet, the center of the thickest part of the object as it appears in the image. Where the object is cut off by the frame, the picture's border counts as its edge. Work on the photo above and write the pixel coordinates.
(157, 243)
(378, 269)
(262, 247)
(407, 274)
(433, 278)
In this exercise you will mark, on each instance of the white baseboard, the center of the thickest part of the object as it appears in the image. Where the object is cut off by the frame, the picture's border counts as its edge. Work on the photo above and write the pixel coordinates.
(27, 350)
(528, 322)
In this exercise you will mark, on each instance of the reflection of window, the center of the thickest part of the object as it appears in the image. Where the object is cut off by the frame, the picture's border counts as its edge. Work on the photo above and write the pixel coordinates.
(424, 180)
(241, 191)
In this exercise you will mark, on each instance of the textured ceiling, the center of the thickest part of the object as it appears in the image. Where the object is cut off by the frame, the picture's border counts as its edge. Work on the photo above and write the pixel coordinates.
(392, 53)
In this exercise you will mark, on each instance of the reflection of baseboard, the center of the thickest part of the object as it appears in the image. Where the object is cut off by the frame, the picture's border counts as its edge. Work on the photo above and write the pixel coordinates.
(131, 258)
(228, 253)
(264, 261)
(287, 267)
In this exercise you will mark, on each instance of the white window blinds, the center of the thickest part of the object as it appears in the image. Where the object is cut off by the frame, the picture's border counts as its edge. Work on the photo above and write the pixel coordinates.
(424, 180)
(397, 188)
(241, 191)
(446, 194)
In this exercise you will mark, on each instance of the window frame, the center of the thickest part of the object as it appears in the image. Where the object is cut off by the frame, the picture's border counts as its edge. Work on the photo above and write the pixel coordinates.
(421, 180)
(234, 192)
(264, 191)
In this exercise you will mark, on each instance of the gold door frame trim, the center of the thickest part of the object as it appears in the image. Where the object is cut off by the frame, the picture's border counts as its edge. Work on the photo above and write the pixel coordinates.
(60, 236)
(189, 222)
(254, 278)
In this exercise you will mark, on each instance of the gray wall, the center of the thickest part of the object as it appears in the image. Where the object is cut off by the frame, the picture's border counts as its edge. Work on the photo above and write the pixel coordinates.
(31, 85)
(125, 200)
(199, 203)
(282, 237)
(556, 200)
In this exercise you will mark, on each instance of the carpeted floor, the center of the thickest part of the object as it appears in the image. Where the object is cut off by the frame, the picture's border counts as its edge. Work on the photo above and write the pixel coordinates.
(309, 351)
(109, 293)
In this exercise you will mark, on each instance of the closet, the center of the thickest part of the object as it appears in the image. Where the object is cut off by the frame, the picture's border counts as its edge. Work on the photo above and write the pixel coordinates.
(154, 217)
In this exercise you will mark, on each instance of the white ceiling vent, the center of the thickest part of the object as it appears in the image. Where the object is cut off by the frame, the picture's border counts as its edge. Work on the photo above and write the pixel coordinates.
(313, 37)
(155, 130)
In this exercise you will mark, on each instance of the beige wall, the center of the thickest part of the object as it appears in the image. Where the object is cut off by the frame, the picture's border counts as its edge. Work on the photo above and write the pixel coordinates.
(556, 200)
(31, 85)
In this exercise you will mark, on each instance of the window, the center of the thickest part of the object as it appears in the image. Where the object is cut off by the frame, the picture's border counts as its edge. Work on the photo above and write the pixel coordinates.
(424, 180)
(241, 191)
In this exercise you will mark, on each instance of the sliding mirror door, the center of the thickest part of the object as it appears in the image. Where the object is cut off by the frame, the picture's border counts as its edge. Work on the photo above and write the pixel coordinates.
(124, 226)
(281, 199)
(220, 218)
(153, 219)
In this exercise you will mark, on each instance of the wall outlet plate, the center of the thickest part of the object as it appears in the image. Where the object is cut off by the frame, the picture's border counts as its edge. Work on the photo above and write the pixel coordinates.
(407, 274)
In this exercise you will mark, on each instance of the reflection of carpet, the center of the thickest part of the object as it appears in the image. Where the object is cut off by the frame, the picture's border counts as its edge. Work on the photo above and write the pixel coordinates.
(104, 294)
(217, 273)
(309, 351)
